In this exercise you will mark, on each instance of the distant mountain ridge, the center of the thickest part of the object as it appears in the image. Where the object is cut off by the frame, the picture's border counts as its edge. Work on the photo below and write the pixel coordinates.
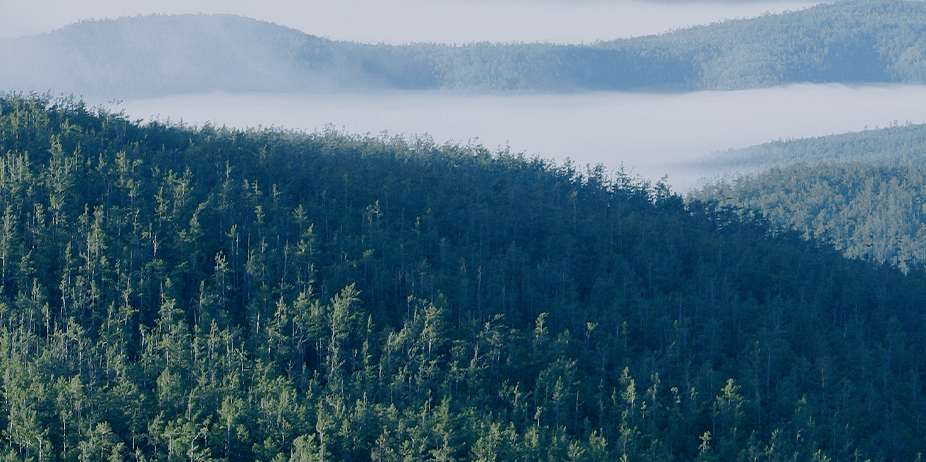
(854, 41)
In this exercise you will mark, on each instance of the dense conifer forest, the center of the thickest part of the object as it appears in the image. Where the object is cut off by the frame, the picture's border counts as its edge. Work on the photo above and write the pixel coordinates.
(175, 293)
(848, 41)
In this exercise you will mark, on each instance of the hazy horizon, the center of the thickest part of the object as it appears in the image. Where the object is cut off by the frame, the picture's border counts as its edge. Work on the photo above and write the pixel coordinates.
(405, 21)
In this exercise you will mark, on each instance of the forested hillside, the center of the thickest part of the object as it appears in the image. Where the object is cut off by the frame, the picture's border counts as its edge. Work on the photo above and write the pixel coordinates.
(869, 211)
(862, 192)
(848, 41)
(177, 293)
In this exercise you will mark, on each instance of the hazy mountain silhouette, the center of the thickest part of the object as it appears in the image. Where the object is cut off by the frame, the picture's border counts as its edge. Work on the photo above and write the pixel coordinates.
(151, 55)
(854, 42)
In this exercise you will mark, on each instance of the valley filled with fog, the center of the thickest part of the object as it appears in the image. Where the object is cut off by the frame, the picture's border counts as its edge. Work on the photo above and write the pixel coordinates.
(242, 73)
(651, 134)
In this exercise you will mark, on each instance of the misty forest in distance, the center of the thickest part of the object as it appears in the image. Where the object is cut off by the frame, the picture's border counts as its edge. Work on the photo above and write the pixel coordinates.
(197, 292)
(852, 42)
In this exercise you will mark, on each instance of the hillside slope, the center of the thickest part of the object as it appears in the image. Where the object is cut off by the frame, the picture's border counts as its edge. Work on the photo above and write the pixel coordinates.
(175, 293)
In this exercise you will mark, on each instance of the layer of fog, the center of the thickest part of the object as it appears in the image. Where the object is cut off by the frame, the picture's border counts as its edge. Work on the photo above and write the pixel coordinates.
(649, 134)
(404, 21)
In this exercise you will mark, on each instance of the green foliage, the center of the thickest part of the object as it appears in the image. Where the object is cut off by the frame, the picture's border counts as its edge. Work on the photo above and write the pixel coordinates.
(170, 293)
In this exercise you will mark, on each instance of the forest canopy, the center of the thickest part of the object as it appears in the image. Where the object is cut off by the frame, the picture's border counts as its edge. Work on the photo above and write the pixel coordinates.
(200, 293)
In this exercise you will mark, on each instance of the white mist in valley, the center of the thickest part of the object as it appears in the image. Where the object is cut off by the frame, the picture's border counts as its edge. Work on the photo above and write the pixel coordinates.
(652, 135)
(648, 134)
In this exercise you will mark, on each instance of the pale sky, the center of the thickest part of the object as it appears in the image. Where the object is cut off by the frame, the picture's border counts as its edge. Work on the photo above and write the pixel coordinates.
(403, 21)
